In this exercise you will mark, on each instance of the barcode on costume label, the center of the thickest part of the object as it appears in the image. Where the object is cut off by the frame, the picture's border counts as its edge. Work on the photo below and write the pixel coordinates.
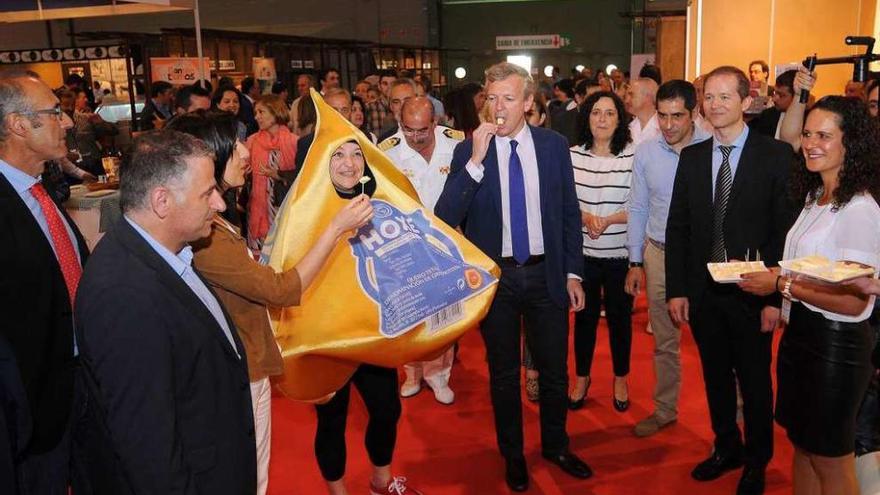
(445, 317)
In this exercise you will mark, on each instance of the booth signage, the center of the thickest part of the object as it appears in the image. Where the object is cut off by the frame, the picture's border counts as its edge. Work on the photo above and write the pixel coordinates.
(178, 70)
(537, 41)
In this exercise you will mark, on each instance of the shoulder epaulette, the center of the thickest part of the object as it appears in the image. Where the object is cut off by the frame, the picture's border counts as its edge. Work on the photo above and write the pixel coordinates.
(454, 134)
(389, 143)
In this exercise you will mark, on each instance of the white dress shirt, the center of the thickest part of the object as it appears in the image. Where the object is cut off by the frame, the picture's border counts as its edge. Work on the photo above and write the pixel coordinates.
(639, 133)
(529, 161)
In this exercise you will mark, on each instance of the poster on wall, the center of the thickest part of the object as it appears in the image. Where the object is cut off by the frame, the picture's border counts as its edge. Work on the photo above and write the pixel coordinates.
(264, 73)
(179, 71)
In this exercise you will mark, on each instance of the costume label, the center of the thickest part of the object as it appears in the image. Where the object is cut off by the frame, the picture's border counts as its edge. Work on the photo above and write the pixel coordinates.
(412, 271)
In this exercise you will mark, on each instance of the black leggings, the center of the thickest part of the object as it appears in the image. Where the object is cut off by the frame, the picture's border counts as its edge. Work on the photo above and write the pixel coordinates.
(604, 280)
(378, 389)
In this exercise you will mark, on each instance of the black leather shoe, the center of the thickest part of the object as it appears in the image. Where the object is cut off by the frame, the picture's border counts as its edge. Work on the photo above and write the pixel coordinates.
(752, 481)
(571, 464)
(516, 475)
(715, 466)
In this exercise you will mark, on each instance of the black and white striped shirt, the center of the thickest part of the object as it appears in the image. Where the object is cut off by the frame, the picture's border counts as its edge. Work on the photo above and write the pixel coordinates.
(603, 189)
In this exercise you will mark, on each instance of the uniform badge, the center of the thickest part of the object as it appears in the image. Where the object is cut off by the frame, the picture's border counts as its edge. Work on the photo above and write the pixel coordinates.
(389, 143)
(454, 134)
(444, 170)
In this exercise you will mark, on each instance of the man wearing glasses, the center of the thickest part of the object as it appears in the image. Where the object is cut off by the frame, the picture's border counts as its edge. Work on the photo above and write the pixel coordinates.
(42, 253)
(424, 156)
(401, 90)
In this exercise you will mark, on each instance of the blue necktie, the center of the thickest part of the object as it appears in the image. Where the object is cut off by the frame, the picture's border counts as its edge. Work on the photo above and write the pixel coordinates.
(519, 226)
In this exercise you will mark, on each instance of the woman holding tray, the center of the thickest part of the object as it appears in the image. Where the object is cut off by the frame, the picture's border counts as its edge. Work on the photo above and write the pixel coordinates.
(824, 362)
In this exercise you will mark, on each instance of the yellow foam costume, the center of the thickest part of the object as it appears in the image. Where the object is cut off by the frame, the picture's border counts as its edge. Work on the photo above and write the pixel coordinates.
(336, 326)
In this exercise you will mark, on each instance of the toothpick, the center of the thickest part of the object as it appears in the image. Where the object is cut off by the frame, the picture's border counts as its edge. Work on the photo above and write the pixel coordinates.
(363, 180)
(759, 254)
(747, 255)
(725, 255)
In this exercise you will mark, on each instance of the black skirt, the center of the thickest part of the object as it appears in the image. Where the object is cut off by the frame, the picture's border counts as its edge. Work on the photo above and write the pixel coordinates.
(823, 370)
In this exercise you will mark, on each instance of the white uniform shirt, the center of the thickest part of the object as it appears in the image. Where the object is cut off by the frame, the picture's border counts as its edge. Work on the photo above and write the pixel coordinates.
(427, 178)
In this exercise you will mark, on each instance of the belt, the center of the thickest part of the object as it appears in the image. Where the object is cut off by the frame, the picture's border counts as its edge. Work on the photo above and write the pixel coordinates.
(657, 244)
(512, 263)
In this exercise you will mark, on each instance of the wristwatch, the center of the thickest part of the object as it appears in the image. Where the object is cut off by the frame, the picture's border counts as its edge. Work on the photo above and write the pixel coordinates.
(636, 264)
(786, 288)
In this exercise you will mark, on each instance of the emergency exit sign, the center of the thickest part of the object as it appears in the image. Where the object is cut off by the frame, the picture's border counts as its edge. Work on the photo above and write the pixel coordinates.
(535, 41)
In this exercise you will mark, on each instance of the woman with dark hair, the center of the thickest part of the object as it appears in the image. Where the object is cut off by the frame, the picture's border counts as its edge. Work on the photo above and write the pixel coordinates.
(376, 385)
(461, 114)
(602, 175)
(873, 92)
(228, 99)
(824, 360)
(358, 116)
(245, 286)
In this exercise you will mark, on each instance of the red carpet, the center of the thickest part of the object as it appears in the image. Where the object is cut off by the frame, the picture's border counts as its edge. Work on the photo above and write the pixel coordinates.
(450, 450)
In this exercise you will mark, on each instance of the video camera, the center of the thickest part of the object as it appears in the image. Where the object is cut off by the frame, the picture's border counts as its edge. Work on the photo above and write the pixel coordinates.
(859, 62)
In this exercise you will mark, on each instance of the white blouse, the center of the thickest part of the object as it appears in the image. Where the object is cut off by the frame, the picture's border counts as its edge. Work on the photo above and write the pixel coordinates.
(852, 233)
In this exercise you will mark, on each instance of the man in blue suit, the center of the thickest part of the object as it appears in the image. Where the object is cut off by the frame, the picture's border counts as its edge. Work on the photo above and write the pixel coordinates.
(511, 188)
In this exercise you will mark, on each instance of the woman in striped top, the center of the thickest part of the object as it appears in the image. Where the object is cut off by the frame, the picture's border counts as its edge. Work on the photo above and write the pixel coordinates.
(602, 174)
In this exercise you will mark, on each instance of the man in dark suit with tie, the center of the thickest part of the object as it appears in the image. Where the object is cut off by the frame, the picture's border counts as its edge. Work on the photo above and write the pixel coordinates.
(511, 188)
(169, 389)
(42, 254)
(729, 201)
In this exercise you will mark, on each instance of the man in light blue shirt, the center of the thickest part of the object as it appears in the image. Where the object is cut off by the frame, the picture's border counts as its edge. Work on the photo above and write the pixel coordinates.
(656, 161)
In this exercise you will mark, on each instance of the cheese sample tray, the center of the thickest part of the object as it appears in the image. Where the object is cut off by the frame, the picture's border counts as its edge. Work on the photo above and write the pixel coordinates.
(821, 268)
(731, 271)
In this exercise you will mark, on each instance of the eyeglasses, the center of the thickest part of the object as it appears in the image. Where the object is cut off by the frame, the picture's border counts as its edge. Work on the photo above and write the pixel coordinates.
(55, 112)
(415, 132)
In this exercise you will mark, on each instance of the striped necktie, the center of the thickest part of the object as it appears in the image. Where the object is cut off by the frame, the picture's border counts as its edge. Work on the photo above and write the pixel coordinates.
(723, 184)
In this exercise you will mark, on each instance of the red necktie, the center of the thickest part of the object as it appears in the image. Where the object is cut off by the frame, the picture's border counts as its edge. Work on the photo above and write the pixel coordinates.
(67, 258)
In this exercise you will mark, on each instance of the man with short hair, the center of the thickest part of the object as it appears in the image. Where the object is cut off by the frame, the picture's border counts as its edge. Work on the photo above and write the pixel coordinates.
(854, 89)
(511, 189)
(617, 79)
(378, 115)
(280, 89)
(563, 111)
(424, 83)
(639, 103)
(401, 90)
(329, 79)
(361, 88)
(759, 71)
(424, 156)
(656, 160)
(251, 91)
(304, 82)
(43, 254)
(769, 122)
(730, 201)
(158, 108)
(168, 377)
(191, 98)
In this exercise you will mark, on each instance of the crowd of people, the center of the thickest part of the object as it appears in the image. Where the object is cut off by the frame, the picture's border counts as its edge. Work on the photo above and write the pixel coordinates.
(583, 190)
